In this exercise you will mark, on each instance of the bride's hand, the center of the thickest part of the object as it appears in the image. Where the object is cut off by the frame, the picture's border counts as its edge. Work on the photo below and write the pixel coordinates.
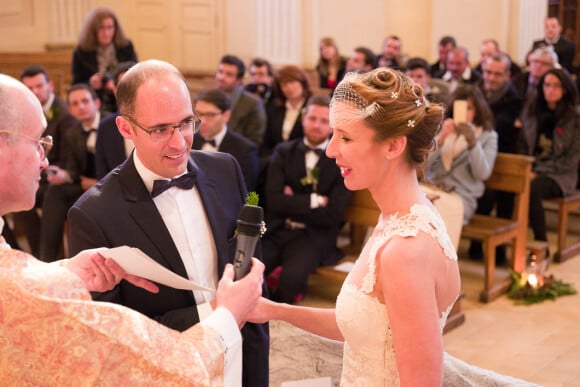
(263, 312)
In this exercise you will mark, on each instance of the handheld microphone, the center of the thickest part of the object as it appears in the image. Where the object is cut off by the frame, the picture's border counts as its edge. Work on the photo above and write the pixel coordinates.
(250, 228)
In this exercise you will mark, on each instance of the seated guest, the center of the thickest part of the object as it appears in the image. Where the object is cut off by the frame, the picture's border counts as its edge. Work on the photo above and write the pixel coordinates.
(248, 116)
(458, 69)
(331, 65)
(390, 53)
(436, 90)
(362, 59)
(464, 158)
(506, 106)
(79, 172)
(551, 133)
(306, 199)
(260, 81)
(111, 148)
(446, 44)
(212, 106)
(541, 60)
(291, 90)
(489, 48)
(59, 122)
(53, 334)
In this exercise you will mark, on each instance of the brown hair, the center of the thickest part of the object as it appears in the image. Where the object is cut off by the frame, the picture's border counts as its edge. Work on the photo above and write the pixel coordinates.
(287, 74)
(88, 36)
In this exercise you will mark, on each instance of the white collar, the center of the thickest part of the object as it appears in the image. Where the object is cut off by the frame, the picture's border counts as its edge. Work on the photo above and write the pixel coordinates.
(147, 175)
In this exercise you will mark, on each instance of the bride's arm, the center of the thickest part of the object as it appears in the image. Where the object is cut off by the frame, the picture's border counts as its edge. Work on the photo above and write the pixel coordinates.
(407, 280)
(321, 322)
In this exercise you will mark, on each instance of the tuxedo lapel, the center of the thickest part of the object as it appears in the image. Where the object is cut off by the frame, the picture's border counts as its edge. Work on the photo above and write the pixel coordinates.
(146, 216)
(206, 186)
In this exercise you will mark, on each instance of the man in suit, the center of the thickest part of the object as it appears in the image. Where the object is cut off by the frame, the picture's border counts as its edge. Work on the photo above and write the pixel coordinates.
(565, 48)
(306, 200)
(390, 55)
(59, 121)
(506, 106)
(361, 59)
(212, 106)
(261, 78)
(446, 44)
(78, 174)
(490, 47)
(188, 228)
(541, 60)
(111, 148)
(459, 70)
(436, 90)
(248, 116)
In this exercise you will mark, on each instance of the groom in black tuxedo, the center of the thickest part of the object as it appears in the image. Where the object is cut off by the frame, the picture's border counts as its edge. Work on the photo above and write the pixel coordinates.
(189, 227)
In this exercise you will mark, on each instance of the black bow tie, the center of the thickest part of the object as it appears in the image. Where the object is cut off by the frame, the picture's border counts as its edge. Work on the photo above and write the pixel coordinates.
(210, 142)
(306, 148)
(186, 181)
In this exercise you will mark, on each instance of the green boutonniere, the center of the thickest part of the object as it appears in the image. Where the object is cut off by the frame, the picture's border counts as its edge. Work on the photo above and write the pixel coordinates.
(312, 176)
(52, 112)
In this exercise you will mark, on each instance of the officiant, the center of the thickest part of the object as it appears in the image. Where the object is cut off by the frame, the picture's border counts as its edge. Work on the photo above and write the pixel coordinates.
(53, 334)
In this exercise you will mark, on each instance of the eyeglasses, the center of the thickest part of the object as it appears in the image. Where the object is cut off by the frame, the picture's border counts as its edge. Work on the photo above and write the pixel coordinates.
(163, 133)
(44, 144)
(208, 115)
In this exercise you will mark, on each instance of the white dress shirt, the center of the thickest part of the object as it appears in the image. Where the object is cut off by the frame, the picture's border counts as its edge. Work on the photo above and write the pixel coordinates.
(184, 216)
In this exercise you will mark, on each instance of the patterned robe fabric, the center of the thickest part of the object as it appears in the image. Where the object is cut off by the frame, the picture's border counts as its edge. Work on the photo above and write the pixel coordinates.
(52, 334)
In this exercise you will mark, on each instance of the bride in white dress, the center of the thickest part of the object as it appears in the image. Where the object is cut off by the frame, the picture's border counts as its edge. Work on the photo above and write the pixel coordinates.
(392, 308)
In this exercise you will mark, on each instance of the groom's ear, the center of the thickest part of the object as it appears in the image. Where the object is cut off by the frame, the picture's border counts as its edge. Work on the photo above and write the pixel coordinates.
(125, 127)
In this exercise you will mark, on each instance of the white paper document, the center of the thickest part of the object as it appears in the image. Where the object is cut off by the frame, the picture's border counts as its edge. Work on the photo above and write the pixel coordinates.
(136, 262)
(345, 266)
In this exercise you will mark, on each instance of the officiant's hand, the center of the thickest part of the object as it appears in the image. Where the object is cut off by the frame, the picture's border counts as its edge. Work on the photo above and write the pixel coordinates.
(101, 274)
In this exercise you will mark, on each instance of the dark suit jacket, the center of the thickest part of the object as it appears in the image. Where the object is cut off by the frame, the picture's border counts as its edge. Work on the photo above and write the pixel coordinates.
(273, 135)
(506, 108)
(76, 161)
(59, 122)
(248, 116)
(436, 70)
(565, 48)
(287, 168)
(84, 63)
(110, 148)
(244, 150)
(119, 211)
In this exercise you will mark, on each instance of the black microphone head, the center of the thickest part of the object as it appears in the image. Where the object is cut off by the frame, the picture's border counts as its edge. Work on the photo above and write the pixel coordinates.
(250, 220)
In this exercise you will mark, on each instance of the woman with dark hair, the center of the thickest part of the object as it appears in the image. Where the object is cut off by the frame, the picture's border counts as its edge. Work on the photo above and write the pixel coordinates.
(331, 65)
(102, 46)
(466, 153)
(291, 89)
(550, 132)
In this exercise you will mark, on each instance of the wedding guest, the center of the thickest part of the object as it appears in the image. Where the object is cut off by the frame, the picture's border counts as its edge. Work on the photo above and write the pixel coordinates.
(446, 44)
(248, 115)
(565, 48)
(331, 65)
(551, 132)
(53, 334)
(102, 46)
(212, 106)
(306, 200)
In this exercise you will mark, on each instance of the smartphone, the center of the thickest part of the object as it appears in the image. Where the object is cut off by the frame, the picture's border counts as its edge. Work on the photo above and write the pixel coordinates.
(460, 111)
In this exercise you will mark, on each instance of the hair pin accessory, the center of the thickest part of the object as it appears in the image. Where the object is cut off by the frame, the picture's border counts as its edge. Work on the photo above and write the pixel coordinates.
(411, 123)
(394, 95)
(418, 103)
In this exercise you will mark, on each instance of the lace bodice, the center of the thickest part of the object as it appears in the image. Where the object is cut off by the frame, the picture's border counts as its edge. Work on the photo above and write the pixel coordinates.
(369, 356)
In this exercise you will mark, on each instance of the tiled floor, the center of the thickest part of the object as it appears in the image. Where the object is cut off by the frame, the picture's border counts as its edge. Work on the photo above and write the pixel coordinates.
(539, 343)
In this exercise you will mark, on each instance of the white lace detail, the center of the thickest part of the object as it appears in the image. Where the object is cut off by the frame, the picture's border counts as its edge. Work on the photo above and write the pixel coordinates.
(419, 218)
(371, 362)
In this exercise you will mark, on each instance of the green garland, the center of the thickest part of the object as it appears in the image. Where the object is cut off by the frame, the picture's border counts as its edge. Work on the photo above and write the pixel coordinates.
(521, 291)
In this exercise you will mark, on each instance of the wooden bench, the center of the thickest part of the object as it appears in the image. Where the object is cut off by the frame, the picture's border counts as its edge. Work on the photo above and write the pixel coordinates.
(511, 173)
(361, 215)
(564, 206)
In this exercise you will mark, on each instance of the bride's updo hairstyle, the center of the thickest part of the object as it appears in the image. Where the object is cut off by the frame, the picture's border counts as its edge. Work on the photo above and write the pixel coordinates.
(393, 105)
